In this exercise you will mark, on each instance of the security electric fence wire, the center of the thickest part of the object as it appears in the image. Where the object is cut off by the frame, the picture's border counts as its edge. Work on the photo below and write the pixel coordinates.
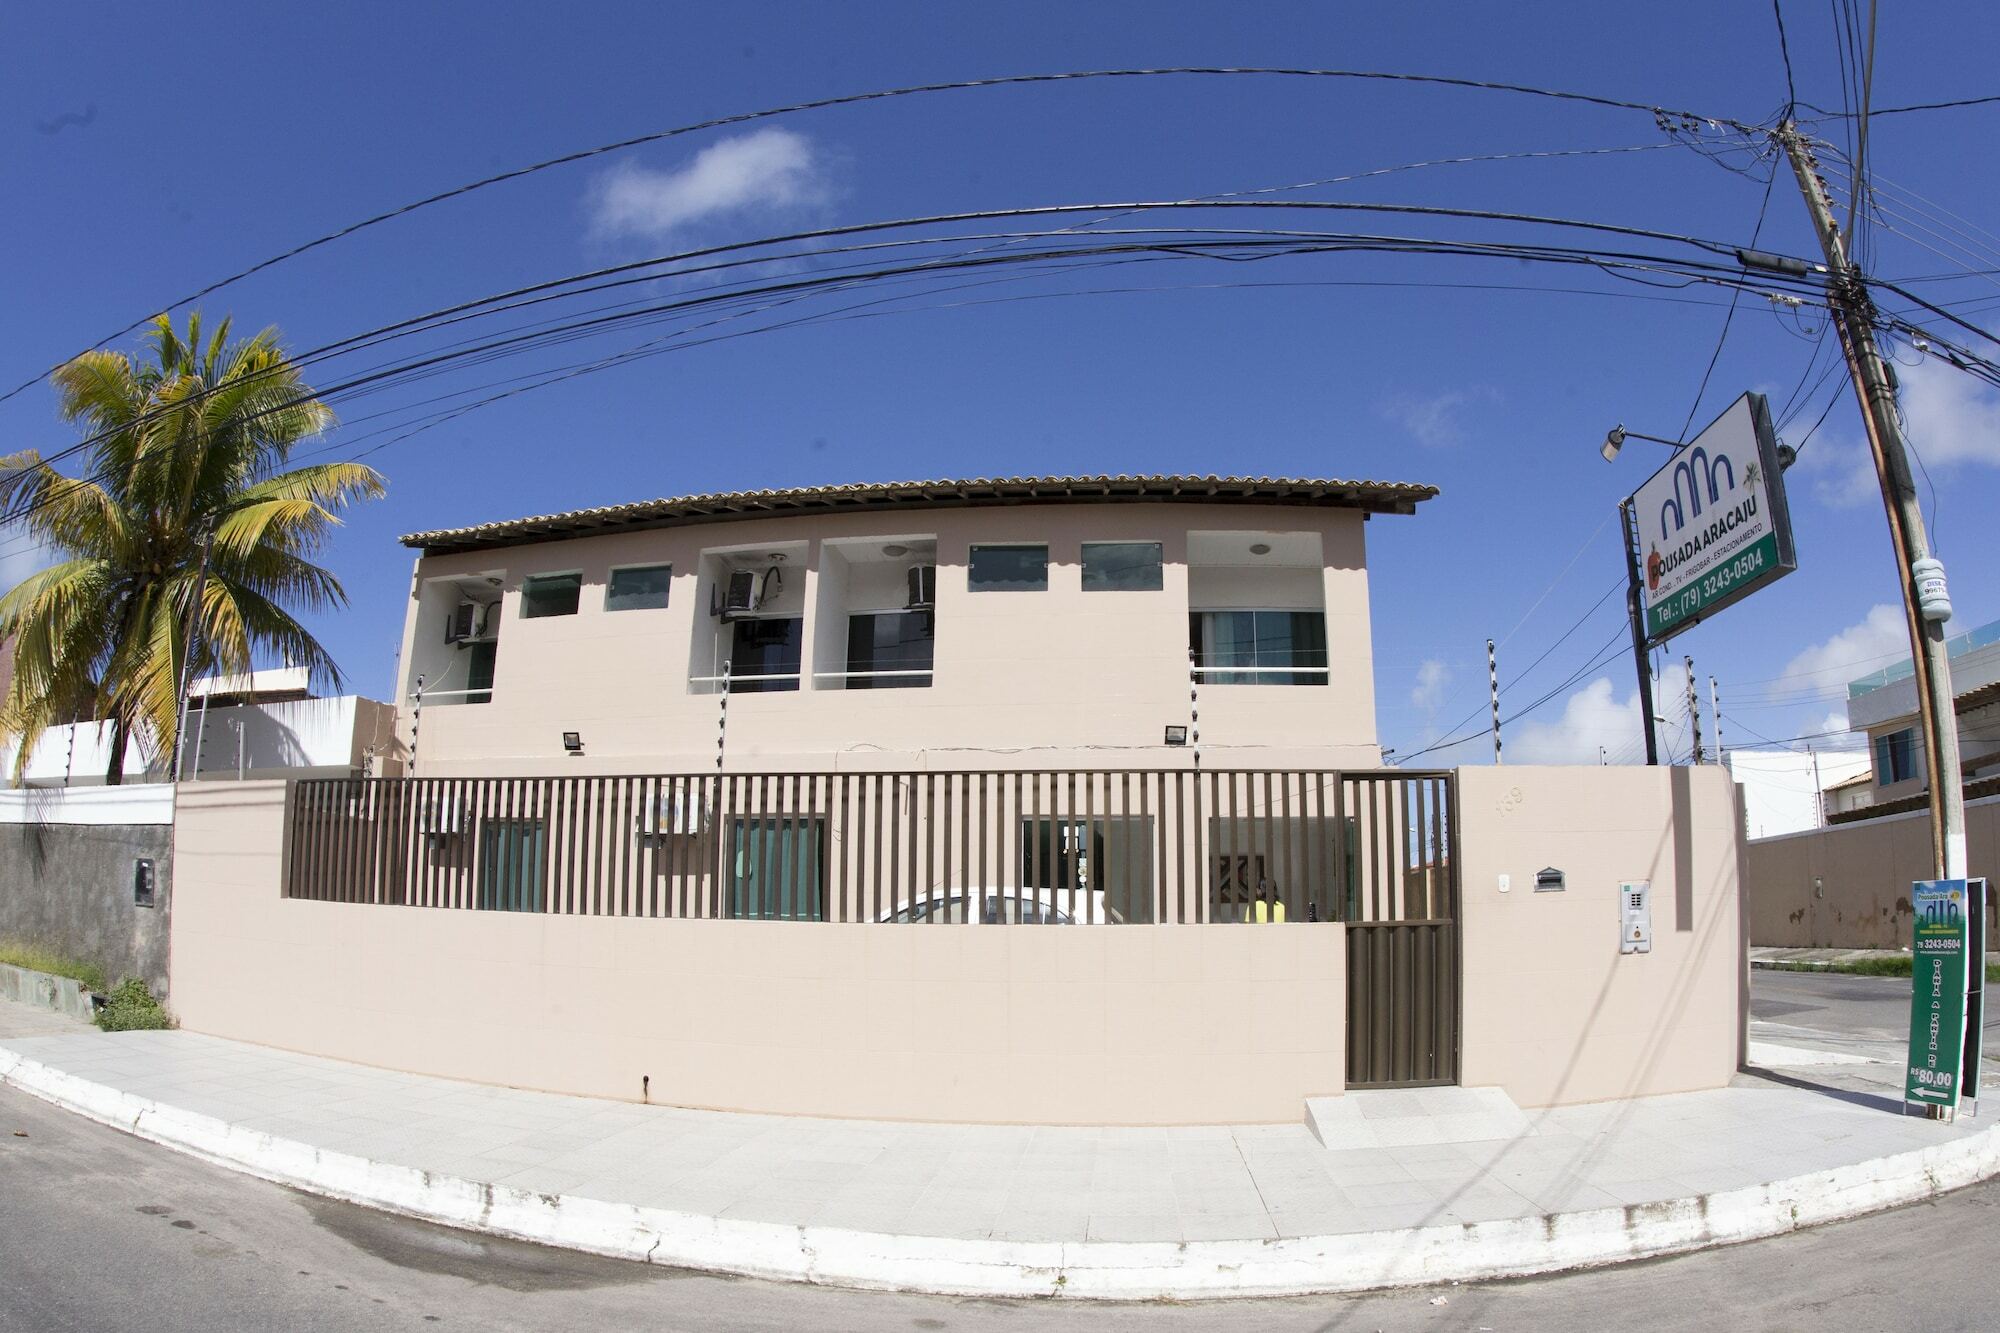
(1686, 118)
(1602, 656)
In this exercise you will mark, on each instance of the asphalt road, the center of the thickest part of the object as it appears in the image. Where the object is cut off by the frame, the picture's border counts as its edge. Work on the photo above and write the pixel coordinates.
(1866, 1015)
(100, 1231)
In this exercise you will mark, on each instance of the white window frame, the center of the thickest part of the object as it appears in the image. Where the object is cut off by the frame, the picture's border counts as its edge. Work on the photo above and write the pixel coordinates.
(521, 602)
(611, 572)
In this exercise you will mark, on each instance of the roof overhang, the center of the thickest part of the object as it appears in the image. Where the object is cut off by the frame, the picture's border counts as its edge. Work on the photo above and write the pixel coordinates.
(1370, 497)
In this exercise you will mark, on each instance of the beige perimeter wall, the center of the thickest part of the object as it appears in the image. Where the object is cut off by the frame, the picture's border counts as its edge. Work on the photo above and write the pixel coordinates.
(1111, 1024)
(1553, 1013)
(1848, 886)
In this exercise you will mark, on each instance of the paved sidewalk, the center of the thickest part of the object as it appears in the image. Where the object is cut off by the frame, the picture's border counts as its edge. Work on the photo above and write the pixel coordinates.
(1003, 1208)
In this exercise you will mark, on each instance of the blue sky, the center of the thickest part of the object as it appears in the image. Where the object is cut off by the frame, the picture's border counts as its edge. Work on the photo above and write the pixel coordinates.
(145, 157)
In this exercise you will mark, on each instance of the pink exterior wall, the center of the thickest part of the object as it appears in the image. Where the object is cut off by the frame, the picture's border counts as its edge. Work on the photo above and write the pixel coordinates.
(1021, 1024)
(1023, 679)
(1553, 1012)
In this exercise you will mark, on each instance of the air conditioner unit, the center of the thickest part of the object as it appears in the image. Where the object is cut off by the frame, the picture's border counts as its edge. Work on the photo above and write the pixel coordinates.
(740, 597)
(463, 624)
(677, 811)
(441, 814)
(923, 587)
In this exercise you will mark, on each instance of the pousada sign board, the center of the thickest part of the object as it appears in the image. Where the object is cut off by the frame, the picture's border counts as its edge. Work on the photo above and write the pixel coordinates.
(1939, 977)
(1713, 525)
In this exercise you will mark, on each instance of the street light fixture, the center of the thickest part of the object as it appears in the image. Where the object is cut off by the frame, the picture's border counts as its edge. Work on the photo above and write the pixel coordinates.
(1614, 440)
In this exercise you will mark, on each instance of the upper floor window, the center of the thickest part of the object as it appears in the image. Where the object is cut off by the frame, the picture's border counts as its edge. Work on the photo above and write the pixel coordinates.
(1896, 757)
(638, 588)
(1258, 647)
(1008, 569)
(1121, 567)
(764, 654)
(889, 650)
(550, 595)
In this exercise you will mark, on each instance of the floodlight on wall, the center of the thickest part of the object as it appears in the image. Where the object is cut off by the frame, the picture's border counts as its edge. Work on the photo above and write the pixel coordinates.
(573, 742)
(1177, 735)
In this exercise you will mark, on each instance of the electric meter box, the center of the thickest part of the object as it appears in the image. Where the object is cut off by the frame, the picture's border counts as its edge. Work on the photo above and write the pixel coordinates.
(1635, 916)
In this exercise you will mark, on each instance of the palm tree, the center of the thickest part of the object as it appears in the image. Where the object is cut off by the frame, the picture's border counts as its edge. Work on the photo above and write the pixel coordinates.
(185, 449)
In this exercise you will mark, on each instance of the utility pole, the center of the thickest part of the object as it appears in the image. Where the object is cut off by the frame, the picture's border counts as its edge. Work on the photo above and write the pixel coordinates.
(1854, 314)
(1819, 790)
(1694, 711)
(1715, 711)
(1493, 684)
(1638, 630)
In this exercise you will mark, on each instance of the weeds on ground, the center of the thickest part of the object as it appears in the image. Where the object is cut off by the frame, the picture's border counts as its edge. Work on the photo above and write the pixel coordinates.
(1872, 967)
(132, 1008)
(38, 959)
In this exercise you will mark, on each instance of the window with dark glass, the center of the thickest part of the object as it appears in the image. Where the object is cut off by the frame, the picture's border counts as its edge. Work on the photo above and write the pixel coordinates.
(1896, 757)
(1008, 569)
(766, 648)
(1121, 566)
(550, 595)
(889, 641)
(479, 662)
(1260, 646)
(638, 588)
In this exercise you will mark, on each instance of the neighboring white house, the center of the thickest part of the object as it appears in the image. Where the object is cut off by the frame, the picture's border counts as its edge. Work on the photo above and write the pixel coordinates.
(1784, 790)
(258, 725)
(1884, 704)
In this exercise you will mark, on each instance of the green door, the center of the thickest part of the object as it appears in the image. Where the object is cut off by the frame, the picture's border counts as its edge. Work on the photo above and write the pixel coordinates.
(511, 865)
(778, 868)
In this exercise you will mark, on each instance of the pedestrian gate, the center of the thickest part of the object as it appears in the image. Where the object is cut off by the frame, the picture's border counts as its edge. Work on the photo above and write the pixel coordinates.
(1402, 931)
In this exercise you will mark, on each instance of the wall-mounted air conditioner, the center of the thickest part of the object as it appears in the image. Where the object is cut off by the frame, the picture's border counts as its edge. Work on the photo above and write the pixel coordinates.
(677, 811)
(923, 587)
(441, 815)
(740, 592)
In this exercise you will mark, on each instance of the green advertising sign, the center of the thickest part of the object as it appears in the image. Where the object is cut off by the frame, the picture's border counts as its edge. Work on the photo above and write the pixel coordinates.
(1713, 525)
(1938, 956)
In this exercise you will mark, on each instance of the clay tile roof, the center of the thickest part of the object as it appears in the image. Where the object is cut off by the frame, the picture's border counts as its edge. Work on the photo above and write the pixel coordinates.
(1375, 497)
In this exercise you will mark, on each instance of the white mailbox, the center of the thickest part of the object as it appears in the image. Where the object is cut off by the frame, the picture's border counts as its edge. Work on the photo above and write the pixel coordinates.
(1635, 916)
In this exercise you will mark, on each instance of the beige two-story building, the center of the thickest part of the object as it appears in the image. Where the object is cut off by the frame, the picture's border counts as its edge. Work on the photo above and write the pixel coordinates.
(1029, 622)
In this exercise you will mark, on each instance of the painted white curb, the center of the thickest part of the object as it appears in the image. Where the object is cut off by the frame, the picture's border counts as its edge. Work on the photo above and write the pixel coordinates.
(1084, 1269)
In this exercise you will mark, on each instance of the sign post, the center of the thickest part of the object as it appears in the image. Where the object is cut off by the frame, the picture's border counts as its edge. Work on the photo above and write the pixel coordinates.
(1975, 987)
(1939, 953)
(1712, 525)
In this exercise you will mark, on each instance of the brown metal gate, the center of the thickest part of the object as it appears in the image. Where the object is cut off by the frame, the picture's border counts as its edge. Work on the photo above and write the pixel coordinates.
(1402, 930)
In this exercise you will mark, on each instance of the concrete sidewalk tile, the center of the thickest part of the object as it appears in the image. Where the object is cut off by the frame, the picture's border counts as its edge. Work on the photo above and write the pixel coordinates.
(1162, 1227)
(1248, 1225)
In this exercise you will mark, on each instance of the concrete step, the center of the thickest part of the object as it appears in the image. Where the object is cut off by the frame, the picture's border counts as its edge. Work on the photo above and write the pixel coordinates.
(1413, 1117)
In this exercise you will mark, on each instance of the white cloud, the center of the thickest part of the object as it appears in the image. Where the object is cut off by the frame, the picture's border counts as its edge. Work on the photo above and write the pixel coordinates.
(1834, 722)
(1879, 639)
(764, 171)
(1953, 417)
(1432, 676)
(1595, 719)
(20, 558)
(1435, 420)
(1841, 471)
(1953, 421)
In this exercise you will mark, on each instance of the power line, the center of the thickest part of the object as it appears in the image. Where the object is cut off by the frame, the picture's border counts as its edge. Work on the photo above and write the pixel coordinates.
(1608, 261)
(1785, 50)
(851, 99)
